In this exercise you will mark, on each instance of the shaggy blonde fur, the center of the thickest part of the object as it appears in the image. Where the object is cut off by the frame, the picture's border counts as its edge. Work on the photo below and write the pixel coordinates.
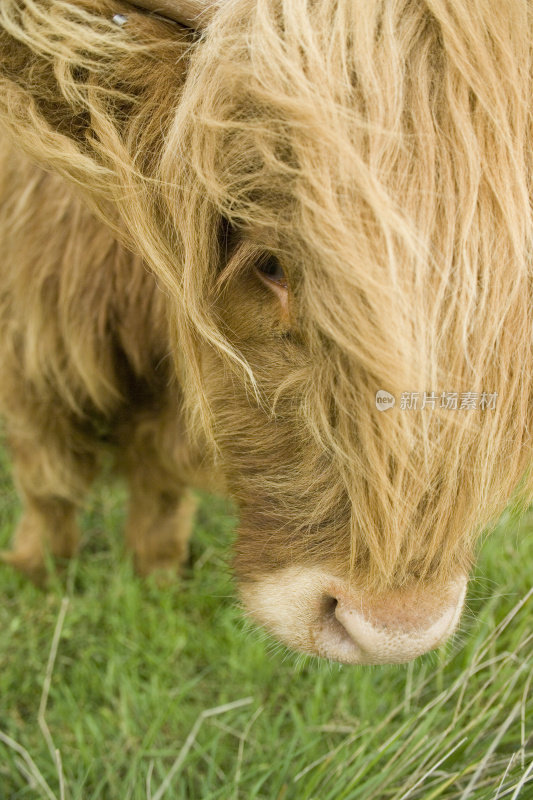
(381, 150)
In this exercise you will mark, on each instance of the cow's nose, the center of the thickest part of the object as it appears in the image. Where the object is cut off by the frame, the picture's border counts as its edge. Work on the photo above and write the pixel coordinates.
(392, 628)
(313, 611)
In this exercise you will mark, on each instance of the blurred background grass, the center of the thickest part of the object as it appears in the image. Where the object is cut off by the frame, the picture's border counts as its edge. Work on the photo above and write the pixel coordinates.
(140, 667)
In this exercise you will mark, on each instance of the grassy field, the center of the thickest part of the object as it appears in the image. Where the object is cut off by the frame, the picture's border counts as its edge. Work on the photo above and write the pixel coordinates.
(113, 688)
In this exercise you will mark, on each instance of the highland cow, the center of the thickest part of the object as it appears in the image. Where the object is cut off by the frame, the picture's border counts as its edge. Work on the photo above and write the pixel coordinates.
(279, 248)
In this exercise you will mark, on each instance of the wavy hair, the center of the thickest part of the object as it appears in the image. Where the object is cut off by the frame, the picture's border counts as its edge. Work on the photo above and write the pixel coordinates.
(381, 150)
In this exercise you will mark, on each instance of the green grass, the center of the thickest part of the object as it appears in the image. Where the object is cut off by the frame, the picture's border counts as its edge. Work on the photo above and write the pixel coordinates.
(131, 698)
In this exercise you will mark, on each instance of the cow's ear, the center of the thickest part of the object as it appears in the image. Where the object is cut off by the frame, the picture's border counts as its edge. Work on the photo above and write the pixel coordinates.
(191, 13)
(87, 85)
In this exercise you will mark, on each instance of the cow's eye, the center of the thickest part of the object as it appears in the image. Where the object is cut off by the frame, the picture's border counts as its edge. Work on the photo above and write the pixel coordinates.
(271, 269)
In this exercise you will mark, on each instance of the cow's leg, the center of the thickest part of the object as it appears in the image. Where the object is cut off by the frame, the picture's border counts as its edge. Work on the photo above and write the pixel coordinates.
(52, 480)
(159, 525)
(161, 507)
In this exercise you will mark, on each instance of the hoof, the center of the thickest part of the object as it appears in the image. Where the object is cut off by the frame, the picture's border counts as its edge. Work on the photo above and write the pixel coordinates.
(164, 570)
(30, 564)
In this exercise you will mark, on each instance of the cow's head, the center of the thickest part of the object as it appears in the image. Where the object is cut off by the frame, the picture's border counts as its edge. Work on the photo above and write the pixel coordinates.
(340, 209)
(349, 181)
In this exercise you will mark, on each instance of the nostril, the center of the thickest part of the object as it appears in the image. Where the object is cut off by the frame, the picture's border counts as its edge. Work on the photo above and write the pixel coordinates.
(334, 634)
(329, 606)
